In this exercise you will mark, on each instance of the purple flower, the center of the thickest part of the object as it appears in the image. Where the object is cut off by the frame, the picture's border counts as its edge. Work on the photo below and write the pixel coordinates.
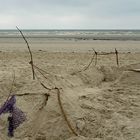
(16, 116)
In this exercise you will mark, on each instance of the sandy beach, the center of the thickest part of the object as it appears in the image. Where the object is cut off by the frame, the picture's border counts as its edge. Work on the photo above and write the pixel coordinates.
(67, 45)
(101, 102)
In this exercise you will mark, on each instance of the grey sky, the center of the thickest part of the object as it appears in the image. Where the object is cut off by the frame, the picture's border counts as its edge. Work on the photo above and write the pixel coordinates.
(70, 14)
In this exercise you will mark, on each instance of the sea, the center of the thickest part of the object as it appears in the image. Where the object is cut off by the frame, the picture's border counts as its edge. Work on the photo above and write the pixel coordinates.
(77, 40)
(122, 35)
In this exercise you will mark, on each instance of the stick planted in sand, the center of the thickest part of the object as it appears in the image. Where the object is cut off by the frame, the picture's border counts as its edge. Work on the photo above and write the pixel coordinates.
(117, 58)
(31, 56)
(46, 97)
(89, 63)
(59, 100)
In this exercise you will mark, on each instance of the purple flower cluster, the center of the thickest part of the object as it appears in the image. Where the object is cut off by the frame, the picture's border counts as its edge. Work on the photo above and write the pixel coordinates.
(16, 116)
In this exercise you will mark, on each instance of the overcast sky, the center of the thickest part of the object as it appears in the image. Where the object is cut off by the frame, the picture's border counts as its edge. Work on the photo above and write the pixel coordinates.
(70, 14)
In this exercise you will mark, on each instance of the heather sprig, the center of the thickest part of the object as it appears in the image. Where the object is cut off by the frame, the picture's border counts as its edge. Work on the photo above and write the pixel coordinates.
(16, 116)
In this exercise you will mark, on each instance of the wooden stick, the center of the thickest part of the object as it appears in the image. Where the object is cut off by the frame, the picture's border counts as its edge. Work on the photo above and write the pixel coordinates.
(86, 67)
(63, 112)
(40, 69)
(134, 70)
(32, 93)
(31, 56)
(117, 58)
(42, 73)
(45, 101)
(89, 63)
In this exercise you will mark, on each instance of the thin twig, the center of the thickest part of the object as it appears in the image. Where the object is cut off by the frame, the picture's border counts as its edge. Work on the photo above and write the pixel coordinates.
(42, 73)
(86, 67)
(63, 112)
(40, 69)
(117, 58)
(44, 86)
(30, 94)
(45, 101)
(134, 70)
(31, 56)
(89, 63)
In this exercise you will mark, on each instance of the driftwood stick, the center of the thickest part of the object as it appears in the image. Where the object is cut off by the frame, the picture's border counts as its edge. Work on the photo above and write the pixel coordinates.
(63, 112)
(46, 95)
(134, 70)
(31, 93)
(117, 58)
(40, 69)
(89, 63)
(87, 66)
(45, 86)
(42, 83)
(42, 72)
(45, 101)
(31, 56)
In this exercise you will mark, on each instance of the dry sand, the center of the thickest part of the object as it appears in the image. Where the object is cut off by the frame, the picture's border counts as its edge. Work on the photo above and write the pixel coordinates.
(102, 102)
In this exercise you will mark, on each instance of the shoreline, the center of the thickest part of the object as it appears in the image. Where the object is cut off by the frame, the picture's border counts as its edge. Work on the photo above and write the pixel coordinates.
(76, 38)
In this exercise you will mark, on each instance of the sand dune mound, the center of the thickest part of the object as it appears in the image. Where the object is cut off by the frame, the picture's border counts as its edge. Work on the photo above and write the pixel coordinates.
(92, 76)
(111, 73)
(129, 74)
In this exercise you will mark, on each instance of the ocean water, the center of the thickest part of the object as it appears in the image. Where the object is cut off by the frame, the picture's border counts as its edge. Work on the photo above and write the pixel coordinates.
(72, 40)
(75, 34)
